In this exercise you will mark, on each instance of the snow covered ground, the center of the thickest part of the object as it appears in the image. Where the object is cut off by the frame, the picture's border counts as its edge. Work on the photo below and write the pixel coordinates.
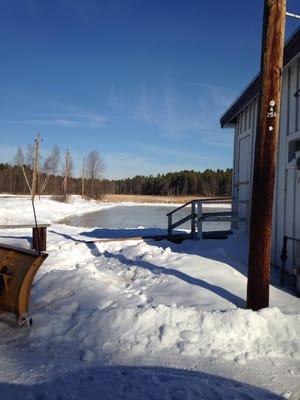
(143, 319)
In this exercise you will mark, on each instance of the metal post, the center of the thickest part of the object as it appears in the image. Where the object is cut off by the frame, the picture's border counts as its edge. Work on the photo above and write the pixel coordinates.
(283, 257)
(35, 167)
(266, 154)
(193, 220)
(170, 224)
(82, 178)
(199, 221)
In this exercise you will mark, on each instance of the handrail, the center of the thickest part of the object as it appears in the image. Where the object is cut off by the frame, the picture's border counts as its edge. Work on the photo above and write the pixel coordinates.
(197, 216)
(284, 256)
(183, 220)
(179, 208)
(212, 200)
(216, 214)
(216, 200)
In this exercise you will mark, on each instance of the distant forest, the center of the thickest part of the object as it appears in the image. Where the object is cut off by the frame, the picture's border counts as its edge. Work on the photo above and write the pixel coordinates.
(206, 183)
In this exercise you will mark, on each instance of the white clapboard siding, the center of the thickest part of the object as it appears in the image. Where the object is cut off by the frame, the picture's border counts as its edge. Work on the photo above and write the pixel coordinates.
(292, 183)
(243, 114)
(297, 219)
(286, 212)
(280, 189)
(298, 97)
(243, 159)
(292, 99)
(286, 219)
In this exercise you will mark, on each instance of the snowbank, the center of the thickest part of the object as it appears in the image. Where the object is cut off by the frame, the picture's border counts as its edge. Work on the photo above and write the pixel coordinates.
(110, 332)
(145, 303)
(116, 301)
(18, 210)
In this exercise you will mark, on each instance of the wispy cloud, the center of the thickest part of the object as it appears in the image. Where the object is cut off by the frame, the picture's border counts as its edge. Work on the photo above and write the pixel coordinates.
(77, 120)
(218, 143)
(168, 112)
(178, 111)
(210, 86)
(120, 165)
(177, 154)
(219, 139)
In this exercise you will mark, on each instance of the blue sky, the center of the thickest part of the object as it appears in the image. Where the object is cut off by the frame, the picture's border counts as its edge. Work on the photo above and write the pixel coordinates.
(144, 82)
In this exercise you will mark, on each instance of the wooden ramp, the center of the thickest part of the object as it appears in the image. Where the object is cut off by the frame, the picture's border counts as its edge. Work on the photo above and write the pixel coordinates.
(175, 238)
(17, 270)
(178, 238)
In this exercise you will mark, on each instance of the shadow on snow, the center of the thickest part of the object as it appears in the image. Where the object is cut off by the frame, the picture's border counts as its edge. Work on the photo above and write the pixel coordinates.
(135, 383)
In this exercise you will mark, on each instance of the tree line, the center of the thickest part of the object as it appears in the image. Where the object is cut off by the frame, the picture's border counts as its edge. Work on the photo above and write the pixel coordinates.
(206, 183)
(29, 172)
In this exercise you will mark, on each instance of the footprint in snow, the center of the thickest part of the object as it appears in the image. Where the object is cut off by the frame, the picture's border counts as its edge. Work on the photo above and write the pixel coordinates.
(190, 336)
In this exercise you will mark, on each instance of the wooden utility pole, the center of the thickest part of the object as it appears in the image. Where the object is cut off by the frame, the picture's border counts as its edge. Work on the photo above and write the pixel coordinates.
(266, 154)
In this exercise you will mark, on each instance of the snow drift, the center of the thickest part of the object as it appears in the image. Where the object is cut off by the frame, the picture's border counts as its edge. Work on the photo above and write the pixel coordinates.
(144, 303)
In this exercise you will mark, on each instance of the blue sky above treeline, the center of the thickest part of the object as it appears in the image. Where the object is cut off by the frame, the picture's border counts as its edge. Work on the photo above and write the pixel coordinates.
(144, 82)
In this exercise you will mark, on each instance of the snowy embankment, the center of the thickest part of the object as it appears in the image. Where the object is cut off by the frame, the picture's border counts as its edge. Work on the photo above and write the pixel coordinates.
(18, 209)
(148, 303)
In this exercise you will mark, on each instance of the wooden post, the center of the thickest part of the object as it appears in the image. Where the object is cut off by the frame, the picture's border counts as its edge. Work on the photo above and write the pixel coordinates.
(170, 224)
(39, 238)
(266, 154)
(199, 221)
(193, 220)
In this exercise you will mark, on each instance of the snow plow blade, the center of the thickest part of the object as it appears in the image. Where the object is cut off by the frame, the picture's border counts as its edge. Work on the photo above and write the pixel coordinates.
(17, 270)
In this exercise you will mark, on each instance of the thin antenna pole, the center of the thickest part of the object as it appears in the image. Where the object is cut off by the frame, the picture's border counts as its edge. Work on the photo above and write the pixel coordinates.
(35, 167)
(67, 162)
(82, 178)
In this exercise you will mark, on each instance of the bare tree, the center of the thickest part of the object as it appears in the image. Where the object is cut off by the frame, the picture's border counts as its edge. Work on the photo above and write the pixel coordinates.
(19, 157)
(51, 163)
(50, 166)
(94, 168)
(32, 159)
(29, 155)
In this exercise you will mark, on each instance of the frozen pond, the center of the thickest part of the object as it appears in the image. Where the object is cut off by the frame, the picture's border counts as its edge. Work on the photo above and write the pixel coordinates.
(140, 216)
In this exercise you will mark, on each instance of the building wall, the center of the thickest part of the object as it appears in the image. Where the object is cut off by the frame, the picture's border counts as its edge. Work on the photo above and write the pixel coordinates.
(243, 160)
(287, 204)
(286, 213)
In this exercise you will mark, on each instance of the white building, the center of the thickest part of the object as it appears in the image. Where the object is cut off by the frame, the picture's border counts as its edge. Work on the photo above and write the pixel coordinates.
(242, 116)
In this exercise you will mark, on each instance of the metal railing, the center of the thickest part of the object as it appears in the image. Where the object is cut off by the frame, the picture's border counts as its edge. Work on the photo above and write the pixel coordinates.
(197, 216)
(284, 256)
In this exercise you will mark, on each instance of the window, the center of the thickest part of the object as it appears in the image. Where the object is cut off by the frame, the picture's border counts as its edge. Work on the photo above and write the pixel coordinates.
(294, 146)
